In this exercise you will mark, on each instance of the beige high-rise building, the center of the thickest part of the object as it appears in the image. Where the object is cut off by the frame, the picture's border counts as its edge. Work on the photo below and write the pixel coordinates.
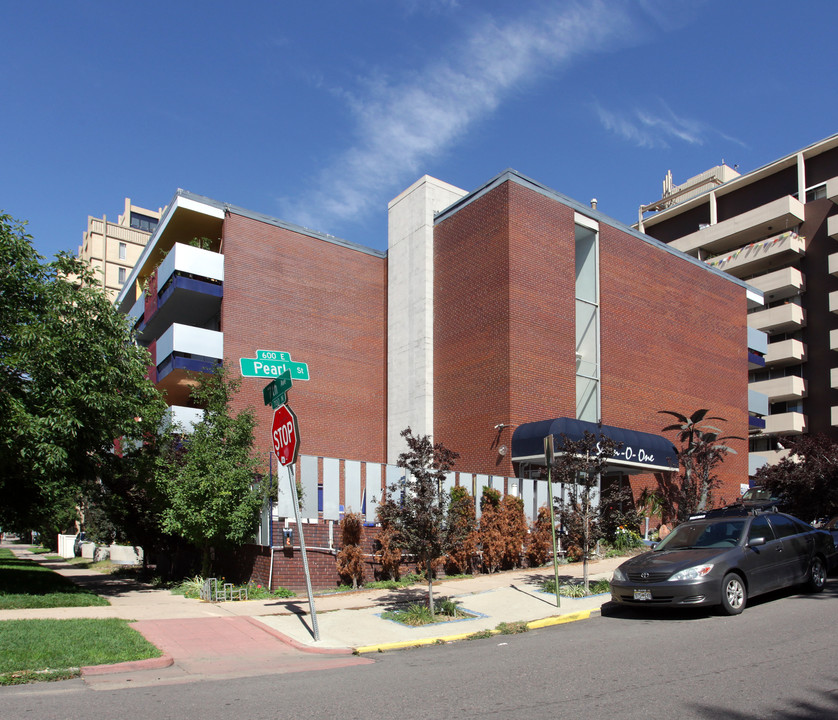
(113, 248)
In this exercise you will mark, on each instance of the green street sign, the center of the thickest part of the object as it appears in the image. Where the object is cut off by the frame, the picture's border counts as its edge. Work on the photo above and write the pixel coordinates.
(274, 392)
(257, 367)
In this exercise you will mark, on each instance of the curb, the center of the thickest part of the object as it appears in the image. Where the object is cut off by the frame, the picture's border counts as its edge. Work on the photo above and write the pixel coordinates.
(296, 644)
(532, 625)
(130, 666)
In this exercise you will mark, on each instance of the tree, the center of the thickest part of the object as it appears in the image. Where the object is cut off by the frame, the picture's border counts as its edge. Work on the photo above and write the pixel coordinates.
(578, 466)
(702, 449)
(209, 477)
(490, 533)
(807, 478)
(417, 507)
(350, 559)
(461, 557)
(540, 546)
(71, 382)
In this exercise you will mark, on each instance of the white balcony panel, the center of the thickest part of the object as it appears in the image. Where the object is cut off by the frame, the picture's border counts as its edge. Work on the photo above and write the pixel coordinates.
(755, 462)
(833, 301)
(783, 318)
(760, 257)
(136, 311)
(833, 264)
(191, 340)
(757, 402)
(188, 259)
(772, 457)
(834, 415)
(785, 352)
(792, 423)
(832, 189)
(779, 215)
(832, 227)
(833, 378)
(184, 417)
(757, 341)
(781, 389)
(833, 339)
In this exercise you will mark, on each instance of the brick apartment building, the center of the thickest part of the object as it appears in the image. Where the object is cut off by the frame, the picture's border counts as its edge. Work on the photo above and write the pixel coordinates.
(495, 317)
(775, 227)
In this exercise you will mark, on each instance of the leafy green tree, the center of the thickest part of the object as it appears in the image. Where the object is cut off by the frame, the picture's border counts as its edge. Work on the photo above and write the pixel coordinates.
(71, 382)
(417, 507)
(703, 449)
(807, 478)
(209, 477)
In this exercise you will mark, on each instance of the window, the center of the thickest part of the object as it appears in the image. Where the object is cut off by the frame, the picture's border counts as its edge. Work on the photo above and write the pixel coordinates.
(760, 528)
(123, 250)
(587, 322)
(818, 192)
(122, 275)
(143, 222)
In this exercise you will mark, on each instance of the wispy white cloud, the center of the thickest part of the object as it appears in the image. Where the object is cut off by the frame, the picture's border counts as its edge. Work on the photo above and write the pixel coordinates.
(401, 124)
(657, 126)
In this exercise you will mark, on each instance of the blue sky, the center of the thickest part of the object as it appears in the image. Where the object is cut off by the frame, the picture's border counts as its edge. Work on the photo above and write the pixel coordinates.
(320, 113)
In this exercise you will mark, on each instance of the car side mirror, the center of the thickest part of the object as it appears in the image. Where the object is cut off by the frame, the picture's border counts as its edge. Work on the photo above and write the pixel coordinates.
(756, 542)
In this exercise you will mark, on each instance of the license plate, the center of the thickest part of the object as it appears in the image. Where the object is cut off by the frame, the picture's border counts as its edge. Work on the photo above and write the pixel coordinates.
(642, 594)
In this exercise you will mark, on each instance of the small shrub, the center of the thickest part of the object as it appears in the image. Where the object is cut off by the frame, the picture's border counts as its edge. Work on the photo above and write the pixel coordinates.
(540, 545)
(480, 635)
(513, 628)
(626, 539)
(350, 559)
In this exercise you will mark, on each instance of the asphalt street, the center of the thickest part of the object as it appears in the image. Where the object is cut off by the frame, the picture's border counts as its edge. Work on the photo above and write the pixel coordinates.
(775, 661)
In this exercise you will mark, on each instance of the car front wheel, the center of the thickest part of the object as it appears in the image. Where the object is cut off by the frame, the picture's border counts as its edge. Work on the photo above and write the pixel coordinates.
(817, 575)
(734, 594)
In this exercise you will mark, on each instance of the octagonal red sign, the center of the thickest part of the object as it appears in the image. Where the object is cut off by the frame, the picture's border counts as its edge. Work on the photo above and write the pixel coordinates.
(285, 435)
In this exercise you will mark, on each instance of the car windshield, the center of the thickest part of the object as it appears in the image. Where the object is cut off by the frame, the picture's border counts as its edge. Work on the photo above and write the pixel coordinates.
(720, 534)
(756, 494)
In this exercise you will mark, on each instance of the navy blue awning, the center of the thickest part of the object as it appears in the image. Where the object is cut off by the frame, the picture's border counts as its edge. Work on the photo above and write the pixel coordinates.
(639, 452)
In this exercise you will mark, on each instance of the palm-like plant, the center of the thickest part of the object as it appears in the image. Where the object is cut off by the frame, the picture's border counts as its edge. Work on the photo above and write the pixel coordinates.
(703, 447)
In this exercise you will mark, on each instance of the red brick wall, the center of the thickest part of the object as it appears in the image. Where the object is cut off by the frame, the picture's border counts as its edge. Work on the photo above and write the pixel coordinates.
(673, 335)
(325, 304)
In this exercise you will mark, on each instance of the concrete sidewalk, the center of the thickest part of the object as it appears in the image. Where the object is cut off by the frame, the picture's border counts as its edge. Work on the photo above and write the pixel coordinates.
(202, 640)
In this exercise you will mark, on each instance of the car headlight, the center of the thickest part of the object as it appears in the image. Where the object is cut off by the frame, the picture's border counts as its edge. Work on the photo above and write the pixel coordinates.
(693, 573)
(619, 575)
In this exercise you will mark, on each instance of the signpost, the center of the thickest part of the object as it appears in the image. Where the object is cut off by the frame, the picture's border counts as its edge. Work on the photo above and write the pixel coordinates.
(272, 363)
(285, 433)
(274, 393)
(549, 454)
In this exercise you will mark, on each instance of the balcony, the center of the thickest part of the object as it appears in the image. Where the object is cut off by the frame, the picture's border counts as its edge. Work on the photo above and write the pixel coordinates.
(833, 264)
(832, 189)
(833, 378)
(834, 415)
(833, 301)
(183, 349)
(760, 257)
(184, 417)
(785, 352)
(780, 389)
(779, 215)
(190, 286)
(832, 227)
(783, 318)
(791, 423)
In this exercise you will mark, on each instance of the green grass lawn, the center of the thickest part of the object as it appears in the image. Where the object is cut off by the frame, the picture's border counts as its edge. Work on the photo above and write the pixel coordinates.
(26, 584)
(35, 650)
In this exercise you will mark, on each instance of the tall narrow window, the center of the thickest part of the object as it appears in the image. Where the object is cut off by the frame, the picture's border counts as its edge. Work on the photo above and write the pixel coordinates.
(122, 275)
(587, 323)
(123, 250)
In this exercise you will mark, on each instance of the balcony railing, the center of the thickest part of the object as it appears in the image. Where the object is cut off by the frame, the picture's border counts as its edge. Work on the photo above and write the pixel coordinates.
(832, 227)
(785, 352)
(745, 228)
(791, 423)
(781, 389)
(184, 418)
(760, 256)
(782, 318)
(191, 343)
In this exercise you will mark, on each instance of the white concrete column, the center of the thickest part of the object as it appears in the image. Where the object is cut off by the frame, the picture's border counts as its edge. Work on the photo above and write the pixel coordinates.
(410, 308)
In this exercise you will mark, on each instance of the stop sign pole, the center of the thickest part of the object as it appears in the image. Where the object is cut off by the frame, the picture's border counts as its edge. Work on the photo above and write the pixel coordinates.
(285, 436)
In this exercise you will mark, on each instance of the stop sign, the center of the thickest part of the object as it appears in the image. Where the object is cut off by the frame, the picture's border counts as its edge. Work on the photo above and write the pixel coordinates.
(285, 435)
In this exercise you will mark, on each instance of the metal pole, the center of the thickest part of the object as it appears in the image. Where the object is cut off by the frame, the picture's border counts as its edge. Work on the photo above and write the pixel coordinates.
(292, 479)
(553, 527)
